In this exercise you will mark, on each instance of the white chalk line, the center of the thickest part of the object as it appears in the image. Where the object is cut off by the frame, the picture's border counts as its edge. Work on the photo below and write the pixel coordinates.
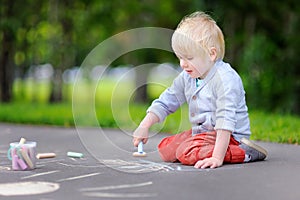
(73, 159)
(120, 195)
(78, 177)
(166, 167)
(93, 192)
(27, 188)
(136, 166)
(5, 168)
(113, 187)
(83, 166)
(41, 163)
(40, 174)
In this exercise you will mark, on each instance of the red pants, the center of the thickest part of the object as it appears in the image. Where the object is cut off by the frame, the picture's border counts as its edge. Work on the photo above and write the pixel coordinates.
(189, 149)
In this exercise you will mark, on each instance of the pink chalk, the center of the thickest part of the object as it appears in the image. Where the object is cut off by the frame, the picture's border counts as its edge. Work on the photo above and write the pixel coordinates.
(15, 165)
(22, 164)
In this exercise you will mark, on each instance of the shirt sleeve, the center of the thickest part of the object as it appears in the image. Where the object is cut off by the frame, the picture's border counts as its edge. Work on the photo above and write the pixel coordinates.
(170, 100)
(229, 92)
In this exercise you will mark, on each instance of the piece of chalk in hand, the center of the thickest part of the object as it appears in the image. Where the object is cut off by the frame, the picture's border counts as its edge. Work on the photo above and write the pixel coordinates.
(140, 147)
(45, 155)
(140, 152)
(75, 154)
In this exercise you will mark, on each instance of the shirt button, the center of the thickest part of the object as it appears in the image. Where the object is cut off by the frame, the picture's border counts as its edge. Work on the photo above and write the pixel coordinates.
(193, 114)
(194, 97)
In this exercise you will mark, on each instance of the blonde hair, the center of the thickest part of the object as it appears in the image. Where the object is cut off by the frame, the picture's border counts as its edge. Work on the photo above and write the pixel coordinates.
(198, 31)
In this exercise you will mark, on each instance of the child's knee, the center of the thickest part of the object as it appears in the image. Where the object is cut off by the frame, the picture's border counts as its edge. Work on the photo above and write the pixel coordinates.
(167, 150)
(186, 155)
(168, 146)
(189, 155)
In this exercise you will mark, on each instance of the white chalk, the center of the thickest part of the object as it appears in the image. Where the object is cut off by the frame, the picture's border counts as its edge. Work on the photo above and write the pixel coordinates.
(22, 141)
(140, 152)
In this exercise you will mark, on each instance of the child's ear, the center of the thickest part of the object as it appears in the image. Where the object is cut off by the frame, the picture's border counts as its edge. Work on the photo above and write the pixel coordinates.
(213, 54)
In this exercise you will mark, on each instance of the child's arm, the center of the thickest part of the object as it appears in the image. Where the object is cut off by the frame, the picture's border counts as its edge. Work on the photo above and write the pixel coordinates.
(221, 145)
(141, 133)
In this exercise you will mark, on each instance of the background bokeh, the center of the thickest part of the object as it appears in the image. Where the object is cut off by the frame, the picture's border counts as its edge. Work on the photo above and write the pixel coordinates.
(43, 45)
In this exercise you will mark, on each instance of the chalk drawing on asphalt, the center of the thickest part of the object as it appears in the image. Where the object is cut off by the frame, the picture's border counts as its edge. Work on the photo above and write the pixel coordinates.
(104, 191)
(78, 177)
(139, 166)
(27, 188)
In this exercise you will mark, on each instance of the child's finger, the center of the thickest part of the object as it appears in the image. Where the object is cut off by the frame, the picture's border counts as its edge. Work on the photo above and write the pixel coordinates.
(198, 164)
(144, 140)
(136, 141)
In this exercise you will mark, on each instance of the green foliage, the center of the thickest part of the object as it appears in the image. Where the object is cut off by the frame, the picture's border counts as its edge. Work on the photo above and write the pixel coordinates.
(37, 113)
(262, 41)
(31, 91)
(261, 83)
(275, 127)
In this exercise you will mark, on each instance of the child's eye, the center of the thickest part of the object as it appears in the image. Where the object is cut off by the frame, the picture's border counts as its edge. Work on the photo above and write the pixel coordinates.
(189, 58)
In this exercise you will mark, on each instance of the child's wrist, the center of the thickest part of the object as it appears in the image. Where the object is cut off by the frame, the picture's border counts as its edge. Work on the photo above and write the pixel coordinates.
(145, 125)
(149, 120)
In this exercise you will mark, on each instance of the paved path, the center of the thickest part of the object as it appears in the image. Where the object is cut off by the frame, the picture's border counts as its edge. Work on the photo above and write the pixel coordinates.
(108, 170)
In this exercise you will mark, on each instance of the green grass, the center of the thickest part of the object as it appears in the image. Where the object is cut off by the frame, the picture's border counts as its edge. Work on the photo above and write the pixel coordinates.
(265, 126)
(114, 109)
(37, 113)
(275, 127)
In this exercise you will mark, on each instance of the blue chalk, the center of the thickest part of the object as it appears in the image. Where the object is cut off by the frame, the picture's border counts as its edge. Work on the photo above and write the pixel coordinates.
(140, 147)
(140, 152)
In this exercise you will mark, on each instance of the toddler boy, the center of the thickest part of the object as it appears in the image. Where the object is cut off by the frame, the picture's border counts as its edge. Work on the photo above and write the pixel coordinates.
(216, 98)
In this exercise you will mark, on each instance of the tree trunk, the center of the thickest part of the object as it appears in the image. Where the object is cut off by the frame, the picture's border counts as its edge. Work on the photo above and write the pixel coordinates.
(6, 64)
(5, 75)
(141, 94)
(56, 87)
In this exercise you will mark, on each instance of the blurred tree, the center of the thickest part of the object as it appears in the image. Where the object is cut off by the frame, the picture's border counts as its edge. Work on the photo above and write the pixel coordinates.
(8, 33)
(261, 40)
(147, 13)
(16, 36)
(63, 57)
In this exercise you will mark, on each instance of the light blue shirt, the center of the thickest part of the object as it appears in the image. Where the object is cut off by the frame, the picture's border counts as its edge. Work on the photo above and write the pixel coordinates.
(217, 103)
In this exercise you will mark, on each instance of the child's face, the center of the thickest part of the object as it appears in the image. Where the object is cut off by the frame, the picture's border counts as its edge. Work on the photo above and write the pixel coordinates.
(196, 65)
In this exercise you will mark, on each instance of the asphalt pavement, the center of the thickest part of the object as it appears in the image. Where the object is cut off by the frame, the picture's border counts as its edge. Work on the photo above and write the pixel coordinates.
(108, 170)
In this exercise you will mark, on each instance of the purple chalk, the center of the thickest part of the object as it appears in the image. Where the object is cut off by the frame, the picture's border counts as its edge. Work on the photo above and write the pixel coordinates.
(22, 164)
(15, 165)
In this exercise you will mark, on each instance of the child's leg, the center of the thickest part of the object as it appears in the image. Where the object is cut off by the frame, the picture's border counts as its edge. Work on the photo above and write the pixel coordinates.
(234, 154)
(168, 146)
(201, 146)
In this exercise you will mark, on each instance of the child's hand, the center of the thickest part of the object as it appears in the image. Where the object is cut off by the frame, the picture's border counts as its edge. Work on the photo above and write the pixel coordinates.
(140, 134)
(209, 162)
